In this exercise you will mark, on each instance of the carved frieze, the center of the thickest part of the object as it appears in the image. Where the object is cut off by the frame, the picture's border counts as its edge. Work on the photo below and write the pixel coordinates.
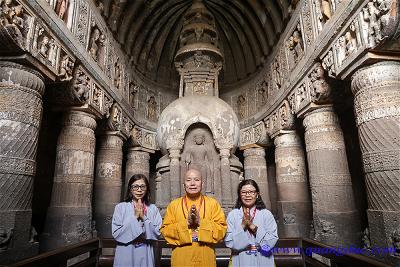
(295, 46)
(281, 119)
(320, 90)
(241, 105)
(144, 138)
(152, 109)
(82, 22)
(255, 134)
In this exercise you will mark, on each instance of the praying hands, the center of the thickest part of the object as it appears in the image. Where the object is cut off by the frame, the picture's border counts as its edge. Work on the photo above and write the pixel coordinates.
(193, 218)
(139, 210)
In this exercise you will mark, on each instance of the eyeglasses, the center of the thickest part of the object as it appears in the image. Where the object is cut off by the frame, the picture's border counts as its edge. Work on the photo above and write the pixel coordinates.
(136, 187)
(250, 193)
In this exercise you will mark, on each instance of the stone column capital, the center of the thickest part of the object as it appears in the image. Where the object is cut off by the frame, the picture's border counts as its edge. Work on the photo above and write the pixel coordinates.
(321, 116)
(14, 74)
(80, 119)
(254, 151)
(287, 138)
(375, 76)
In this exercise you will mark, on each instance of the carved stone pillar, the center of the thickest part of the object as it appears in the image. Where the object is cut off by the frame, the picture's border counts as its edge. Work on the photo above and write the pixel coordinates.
(108, 181)
(174, 174)
(69, 217)
(377, 108)
(138, 162)
(226, 184)
(294, 206)
(336, 220)
(21, 91)
(255, 167)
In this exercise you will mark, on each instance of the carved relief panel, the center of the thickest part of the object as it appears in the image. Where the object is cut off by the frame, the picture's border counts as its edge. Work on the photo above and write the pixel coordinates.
(64, 10)
(241, 106)
(152, 108)
(81, 25)
(295, 46)
(261, 93)
(96, 45)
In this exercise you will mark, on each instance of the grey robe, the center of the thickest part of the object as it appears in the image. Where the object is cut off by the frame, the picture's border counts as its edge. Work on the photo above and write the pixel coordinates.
(126, 228)
(239, 240)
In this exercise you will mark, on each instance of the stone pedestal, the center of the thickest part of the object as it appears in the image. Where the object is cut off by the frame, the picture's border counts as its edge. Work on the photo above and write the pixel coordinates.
(69, 217)
(174, 174)
(255, 167)
(107, 182)
(137, 163)
(336, 220)
(377, 108)
(294, 205)
(21, 91)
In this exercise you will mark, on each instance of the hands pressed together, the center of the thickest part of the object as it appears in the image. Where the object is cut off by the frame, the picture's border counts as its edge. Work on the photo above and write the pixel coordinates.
(247, 223)
(193, 220)
(139, 210)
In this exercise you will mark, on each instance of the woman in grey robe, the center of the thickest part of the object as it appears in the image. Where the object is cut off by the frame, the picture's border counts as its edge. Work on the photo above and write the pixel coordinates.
(135, 224)
(252, 230)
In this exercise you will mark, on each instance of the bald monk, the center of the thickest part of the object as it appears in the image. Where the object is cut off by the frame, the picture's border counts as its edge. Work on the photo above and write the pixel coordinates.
(193, 224)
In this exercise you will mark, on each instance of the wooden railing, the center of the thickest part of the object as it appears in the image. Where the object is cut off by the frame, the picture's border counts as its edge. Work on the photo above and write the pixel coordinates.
(332, 259)
(59, 257)
(295, 252)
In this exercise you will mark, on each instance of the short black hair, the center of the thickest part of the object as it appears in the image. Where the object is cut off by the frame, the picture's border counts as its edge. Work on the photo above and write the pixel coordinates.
(259, 202)
(134, 178)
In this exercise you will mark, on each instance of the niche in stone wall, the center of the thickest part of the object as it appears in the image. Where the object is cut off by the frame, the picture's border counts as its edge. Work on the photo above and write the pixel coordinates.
(200, 152)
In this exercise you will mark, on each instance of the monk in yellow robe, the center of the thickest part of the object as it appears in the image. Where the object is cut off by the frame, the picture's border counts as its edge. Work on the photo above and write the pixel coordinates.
(193, 223)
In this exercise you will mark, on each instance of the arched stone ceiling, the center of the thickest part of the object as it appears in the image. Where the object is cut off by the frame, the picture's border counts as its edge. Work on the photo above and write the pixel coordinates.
(148, 30)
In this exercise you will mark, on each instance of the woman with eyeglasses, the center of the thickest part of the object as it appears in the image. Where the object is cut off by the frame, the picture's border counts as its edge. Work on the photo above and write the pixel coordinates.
(135, 224)
(252, 230)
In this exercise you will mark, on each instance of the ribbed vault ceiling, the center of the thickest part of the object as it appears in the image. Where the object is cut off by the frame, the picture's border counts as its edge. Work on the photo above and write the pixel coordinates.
(148, 30)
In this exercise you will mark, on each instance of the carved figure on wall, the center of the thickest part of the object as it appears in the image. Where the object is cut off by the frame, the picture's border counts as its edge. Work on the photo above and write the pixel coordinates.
(323, 10)
(327, 62)
(262, 92)
(241, 103)
(341, 49)
(133, 91)
(81, 87)
(300, 95)
(17, 19)
(372, 15)
(365, 239)
(96, 40)
(117, 74)
(276, 69)
(296, 45)
(320, 89)
(5, 238)
(351, 39)
(62, 8)
(197, 155)
(33, 235)
(396, 241)
(53, 52)
(44, 46)
(11, 15)
(152, 109)
(66, 68)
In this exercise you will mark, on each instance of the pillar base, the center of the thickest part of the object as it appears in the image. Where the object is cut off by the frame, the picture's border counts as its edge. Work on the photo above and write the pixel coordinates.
(66, 226)
(381, 226)
(338, 228)
(293, 220)
(13, 255)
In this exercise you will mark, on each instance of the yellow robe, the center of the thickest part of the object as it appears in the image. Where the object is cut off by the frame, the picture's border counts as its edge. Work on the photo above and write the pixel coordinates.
(212, 230)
